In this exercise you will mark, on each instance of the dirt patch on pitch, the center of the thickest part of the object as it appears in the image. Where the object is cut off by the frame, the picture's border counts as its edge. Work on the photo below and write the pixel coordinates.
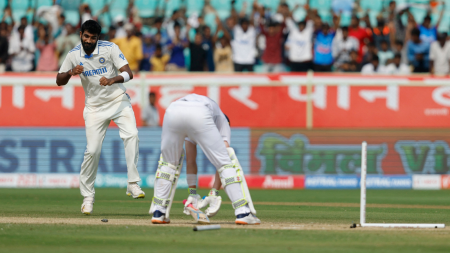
(179, 223)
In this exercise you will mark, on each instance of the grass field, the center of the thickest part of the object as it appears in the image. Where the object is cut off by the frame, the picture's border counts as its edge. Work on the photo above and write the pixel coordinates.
(49, 220)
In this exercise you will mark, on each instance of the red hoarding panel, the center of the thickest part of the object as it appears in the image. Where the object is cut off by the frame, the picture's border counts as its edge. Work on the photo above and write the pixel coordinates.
(261, 182)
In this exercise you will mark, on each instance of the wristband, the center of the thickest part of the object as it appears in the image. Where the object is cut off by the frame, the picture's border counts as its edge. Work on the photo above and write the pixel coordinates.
(125, 76)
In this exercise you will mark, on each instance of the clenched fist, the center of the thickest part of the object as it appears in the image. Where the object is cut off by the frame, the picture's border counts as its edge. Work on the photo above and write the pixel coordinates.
(77, 70)
(106, 81)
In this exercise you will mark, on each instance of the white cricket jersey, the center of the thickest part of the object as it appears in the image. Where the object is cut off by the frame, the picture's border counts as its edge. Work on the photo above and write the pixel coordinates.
(104, 61)
(219, 118)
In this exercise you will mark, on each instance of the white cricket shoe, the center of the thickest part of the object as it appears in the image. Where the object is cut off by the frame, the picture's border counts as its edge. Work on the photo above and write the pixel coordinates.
(135, 191)
(247, 219)
(88, 205)
(194, 200)
(159, 218)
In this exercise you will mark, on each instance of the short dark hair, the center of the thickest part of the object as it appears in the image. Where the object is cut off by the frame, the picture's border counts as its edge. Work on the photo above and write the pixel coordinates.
(427, 17)
(397, 55)
(152, 93)
(158, 47)
(303, 22)
(21, 27)
(92, 27)
(384, 42)
(375, 58)
(399, 42)
(243, 21)
(158, 20)
(415, 32)
(176, 24)
(344, 28)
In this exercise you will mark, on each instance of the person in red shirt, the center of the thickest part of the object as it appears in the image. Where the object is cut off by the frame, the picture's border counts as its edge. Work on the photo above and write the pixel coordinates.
(360, 33)
(272, 56)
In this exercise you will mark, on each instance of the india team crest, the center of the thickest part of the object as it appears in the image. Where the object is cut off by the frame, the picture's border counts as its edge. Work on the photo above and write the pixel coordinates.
(102, 60)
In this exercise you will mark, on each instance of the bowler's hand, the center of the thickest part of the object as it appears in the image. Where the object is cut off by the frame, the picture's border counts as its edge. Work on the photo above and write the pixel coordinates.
(106, 81)
(77, 70)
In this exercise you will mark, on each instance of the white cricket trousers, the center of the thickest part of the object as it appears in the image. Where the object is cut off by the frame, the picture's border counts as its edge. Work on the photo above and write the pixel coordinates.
(97, 120)
(194, 120)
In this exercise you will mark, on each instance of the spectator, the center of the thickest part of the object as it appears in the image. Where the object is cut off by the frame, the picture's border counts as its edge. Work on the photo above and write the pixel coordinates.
(440, 55)
(148, 48)
(150, 113)
(158, 28)
(131, 47)
(29, 33)
(177, 46)
(22, 51)
(401, 31)
(120, 27)
(223, 56)
(66, 43)
(342, 47)
(243, 46)
(399, 48)
(272, 56)
(397, 67)
(358, 33)
(59, 29)
(48, 59)
(207, 44)
(4, 45)
(371, 52)
(418, 52)
(373, 67)
(299, 45)
(384, 54)
(159, 61)
(323, 58)
(381, 32)
(170, 26)
(428, 33)
(198, 54)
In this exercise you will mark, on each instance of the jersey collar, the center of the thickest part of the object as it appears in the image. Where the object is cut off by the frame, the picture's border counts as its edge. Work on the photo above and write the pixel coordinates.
(84, 55)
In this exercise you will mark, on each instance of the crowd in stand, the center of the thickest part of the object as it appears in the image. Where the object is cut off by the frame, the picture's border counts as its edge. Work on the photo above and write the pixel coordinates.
(265, 40)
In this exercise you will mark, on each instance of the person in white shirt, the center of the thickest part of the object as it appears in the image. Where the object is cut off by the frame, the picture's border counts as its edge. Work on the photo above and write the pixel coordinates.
(243, 46)
(373, 67)
(198, 118)
(299, 45)
(342, 47)
(384, 54)
(397, 67)
(440, 55)
(150, 114)
(21, 48)
(98, 63)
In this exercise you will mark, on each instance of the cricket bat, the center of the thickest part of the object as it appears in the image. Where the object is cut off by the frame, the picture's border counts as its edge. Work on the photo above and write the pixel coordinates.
(199, 216)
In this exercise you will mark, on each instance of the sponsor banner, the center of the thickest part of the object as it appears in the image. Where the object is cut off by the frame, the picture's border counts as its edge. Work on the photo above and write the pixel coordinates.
(261, 182)
(331, 152)
(61, 150)
(331, 182)
(389, 182)
(120, 181)
(445, 179)
(427, 182)
(39, 181)
(250, 100)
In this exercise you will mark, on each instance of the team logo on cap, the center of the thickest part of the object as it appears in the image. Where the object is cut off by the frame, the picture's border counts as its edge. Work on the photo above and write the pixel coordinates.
(101, 60)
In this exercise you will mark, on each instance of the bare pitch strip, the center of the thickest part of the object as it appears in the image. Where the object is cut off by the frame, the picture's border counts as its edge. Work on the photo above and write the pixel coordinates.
(363, 202)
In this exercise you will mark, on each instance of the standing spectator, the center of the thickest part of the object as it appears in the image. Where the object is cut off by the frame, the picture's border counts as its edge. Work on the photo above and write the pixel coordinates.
(382, 32)
(29, 33)
(47, 60)
(148, 48)
(384, 54)
(177, 46)
(243, 46)
(131, 47)
(371, 51)
(418, 52)
(397, 67)
(150, 113)
(299, 45)
(111, 34)
(120, 27)
(170, 25)
(428, 33)
(272, 56)
(198, 54)
(4, 45)
(359, 33)
(22, 51)
(223, 56)
(373, 67)
(158, 28)
(208, 45)
(323, 58)
(440, 55)
(159, 60)
(66, 43)
(342, 47)
(399, 48)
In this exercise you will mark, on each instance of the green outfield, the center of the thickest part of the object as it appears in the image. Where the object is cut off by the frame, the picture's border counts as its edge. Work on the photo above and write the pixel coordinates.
(49, 220)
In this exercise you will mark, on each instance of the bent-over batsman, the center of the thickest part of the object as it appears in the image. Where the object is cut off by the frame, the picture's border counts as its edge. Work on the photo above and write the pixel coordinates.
(195, 116)
(103, 69)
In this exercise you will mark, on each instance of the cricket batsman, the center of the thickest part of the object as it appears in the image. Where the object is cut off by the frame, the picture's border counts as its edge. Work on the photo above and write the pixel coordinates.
(103, 70)
(197, 117)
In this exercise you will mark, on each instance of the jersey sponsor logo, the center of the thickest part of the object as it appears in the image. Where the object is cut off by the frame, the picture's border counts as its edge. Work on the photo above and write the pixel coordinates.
(101, 60)
(94, 72)
(122, 57)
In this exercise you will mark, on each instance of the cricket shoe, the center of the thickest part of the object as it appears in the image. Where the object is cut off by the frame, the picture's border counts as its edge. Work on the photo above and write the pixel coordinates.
(247, 219)
(135, 191)
(159, 218)
(88, 205)
(214, 204)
